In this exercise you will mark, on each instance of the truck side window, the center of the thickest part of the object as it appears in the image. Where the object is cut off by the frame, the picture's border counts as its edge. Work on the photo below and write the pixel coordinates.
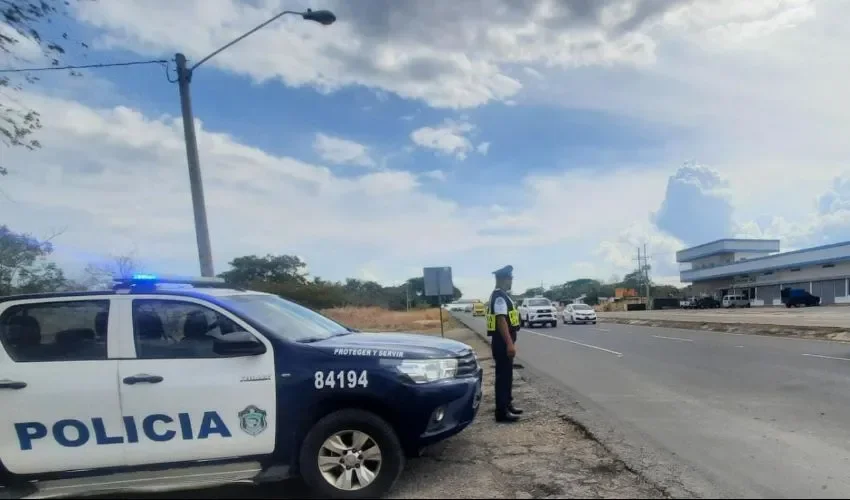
(171, 329)
(55, 331)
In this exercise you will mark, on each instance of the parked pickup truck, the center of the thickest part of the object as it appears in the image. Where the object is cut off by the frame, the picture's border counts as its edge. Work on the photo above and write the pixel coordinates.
(706, 303)
(796, 297)
(688, 303)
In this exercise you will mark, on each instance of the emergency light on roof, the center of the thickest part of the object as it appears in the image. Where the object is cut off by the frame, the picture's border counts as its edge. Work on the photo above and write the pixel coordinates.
(141, 280)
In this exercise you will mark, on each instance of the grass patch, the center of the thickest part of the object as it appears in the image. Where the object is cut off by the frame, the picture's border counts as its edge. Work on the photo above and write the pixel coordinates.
(377, 319)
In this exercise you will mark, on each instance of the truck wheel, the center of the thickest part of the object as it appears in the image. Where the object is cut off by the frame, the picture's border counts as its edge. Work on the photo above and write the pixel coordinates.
(351, 454)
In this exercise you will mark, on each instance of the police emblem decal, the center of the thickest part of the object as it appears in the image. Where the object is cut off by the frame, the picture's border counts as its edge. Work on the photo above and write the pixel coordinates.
(252, 420)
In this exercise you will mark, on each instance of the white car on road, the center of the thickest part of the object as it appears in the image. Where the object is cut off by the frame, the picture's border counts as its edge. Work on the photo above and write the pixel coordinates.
(579, 313)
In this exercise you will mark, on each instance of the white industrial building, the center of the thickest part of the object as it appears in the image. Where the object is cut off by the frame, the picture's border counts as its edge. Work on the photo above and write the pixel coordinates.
(758, 270)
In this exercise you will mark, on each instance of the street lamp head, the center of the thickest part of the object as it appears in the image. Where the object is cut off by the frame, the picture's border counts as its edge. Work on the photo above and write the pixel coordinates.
(325, 17)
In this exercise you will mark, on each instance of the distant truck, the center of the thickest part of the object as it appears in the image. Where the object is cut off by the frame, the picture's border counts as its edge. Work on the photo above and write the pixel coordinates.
(796, 297)
(706, 303)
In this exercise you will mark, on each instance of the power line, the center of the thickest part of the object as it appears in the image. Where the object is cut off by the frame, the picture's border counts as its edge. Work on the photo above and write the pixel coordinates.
(84, 66)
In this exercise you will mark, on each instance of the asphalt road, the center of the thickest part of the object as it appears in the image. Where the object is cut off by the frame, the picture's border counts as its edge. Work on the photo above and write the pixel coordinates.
(756, 416)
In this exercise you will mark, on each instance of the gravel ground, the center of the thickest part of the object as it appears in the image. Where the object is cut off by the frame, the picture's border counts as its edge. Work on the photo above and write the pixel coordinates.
(544, 456)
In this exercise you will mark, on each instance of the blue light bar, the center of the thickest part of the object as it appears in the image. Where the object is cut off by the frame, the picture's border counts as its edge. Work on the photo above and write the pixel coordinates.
(148, 279)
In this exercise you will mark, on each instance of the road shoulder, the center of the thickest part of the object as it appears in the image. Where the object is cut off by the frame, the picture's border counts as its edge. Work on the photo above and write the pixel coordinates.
(645, 459)
(545, 455)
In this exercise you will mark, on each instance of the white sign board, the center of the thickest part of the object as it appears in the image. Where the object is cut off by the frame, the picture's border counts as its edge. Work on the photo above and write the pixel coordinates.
(438, 281)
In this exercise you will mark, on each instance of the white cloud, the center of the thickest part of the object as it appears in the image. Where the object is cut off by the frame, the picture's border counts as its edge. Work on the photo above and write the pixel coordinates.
(696, 193)
(24, 49)
(342, 151)
(437, 175)
(435, 52)
(773, 150)
(533, 72)
(448, 138)
(116, 180)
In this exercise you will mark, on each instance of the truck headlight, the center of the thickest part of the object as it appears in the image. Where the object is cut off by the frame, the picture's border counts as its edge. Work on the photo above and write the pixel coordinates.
(428, 370)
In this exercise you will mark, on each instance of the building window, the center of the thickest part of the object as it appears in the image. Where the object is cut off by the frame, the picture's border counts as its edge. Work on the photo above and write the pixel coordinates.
(825, 266)
(768, 273)
(794, 269)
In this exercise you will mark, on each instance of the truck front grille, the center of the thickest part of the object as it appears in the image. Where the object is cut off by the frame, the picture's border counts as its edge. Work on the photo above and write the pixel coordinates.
(467, 365)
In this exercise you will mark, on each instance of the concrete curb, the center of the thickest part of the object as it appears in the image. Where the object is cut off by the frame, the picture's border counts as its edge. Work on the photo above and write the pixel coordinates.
(834, 334)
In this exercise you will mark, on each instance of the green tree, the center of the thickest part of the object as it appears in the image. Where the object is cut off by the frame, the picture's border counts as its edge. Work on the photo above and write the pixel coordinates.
(24, 267)
(251, 270)
(285, 275)
(28, 20)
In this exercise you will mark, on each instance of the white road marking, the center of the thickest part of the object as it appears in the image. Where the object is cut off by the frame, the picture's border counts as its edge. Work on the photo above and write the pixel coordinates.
(603, 330)
(618, 354)
(673, 338)
(739, 346)
(825, 357)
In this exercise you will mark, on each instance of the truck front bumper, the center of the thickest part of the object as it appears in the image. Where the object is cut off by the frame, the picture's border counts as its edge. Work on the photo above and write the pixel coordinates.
(441, 410)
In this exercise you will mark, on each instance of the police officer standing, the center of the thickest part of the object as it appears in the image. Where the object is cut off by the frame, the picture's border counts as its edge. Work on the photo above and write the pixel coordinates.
(503, 325)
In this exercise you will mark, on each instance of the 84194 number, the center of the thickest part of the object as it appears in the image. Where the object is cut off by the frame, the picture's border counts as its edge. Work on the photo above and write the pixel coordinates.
(343, 379)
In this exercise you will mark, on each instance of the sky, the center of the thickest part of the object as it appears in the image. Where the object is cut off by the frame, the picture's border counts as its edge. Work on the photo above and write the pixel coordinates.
(558, 136)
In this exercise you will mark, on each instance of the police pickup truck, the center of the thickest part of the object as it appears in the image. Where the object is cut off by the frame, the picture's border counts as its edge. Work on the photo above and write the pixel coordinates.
(166, 385)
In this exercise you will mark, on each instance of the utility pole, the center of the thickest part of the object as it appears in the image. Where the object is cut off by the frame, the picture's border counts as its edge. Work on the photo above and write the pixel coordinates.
(184, 78)
(639, 272)
(407, 294)
(202, 233)
(646, 273)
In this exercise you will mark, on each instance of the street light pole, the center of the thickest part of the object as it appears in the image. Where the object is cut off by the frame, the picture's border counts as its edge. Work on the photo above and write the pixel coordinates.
(184, 78)
(202, 233)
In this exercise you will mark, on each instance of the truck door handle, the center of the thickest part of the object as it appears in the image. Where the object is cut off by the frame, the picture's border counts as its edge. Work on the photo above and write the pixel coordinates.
(143, 378)
(12, 384)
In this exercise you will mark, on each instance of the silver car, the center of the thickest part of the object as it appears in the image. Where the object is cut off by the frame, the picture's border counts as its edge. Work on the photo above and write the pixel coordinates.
(579, 313)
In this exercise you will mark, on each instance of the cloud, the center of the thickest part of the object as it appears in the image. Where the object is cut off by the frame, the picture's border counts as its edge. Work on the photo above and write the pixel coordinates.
(696, 193)
(430, 51)
(116, 179)
(448, 138)
(341, 151)
(483, 148)
(533, 72)
(437, 175)
(620, 252)
(827, 222)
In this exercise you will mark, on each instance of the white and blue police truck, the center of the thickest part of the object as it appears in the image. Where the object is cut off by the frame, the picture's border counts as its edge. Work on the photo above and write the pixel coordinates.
(163, 385)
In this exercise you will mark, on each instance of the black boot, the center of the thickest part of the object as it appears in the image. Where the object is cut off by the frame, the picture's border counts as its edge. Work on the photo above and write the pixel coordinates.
(506, 417)
(516, 411)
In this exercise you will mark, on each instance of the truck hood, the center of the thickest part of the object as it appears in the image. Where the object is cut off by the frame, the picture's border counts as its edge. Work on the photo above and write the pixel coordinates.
(393, 345)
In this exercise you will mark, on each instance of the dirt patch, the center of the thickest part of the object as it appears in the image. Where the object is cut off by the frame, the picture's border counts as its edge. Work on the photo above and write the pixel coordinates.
(803, 332)
(376, 319)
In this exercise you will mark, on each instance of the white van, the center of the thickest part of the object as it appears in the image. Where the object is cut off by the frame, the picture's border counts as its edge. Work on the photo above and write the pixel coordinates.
(735, 300)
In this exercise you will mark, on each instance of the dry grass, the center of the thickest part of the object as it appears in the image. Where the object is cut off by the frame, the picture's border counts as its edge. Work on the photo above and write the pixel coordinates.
(377, 319)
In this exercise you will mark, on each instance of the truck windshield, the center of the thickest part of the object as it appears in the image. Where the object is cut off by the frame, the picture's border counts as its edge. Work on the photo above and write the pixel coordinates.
(539, 303)
(286, 319)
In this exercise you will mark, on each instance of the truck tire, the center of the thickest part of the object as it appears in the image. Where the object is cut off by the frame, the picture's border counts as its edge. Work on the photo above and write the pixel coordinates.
(333, 442)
